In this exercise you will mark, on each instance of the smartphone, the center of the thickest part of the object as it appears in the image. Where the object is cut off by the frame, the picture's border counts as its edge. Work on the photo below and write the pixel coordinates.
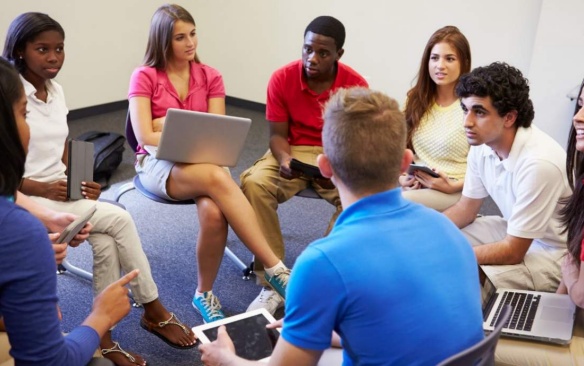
(423, 168)
(75, 227)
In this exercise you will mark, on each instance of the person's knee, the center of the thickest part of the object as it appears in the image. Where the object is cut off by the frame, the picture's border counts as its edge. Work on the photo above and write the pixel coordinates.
(210, 215)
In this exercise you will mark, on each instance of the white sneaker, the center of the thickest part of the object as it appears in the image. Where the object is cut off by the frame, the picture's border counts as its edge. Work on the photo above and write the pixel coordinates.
(267, 299)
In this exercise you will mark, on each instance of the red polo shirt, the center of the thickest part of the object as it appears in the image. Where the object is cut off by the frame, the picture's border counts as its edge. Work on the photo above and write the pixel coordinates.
(290, 100)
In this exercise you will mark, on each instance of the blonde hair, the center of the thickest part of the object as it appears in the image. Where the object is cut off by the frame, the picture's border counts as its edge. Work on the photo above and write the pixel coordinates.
(364, 138)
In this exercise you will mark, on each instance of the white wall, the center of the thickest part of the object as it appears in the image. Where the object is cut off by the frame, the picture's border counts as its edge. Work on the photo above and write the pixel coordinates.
(248, 40)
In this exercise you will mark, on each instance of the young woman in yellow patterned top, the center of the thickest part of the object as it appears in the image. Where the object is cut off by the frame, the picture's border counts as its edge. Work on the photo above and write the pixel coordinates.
(434, 118)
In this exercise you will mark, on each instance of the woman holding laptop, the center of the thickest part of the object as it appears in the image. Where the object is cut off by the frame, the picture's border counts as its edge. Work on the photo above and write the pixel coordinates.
(172, 76)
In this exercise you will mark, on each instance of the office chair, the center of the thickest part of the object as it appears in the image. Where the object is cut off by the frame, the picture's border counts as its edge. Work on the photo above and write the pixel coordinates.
(482, 353)
(137, 185)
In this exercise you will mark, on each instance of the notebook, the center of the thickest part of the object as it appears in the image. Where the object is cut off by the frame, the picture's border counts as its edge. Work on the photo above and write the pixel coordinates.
(79, 167)
(197, 137)
(540, 316)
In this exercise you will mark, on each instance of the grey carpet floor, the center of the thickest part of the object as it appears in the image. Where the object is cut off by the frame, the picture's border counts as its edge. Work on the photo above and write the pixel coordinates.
(168, 234)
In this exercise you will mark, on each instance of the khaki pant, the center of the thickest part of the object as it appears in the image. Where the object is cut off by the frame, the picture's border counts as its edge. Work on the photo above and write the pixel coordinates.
(265, 190)
(115, 244)
(512, 352)
(5, 359)
(539, 270)
(432, 198)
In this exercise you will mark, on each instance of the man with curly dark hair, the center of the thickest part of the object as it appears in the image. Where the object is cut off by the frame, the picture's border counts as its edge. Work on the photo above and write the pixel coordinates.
(523, 170)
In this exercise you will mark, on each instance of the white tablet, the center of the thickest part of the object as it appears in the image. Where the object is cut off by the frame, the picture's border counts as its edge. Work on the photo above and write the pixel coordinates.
(75, 227)
(252, 340)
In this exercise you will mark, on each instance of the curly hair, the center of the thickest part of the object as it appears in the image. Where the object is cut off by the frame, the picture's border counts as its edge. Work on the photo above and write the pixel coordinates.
(421, 96)
(505, 85)
(573, 211)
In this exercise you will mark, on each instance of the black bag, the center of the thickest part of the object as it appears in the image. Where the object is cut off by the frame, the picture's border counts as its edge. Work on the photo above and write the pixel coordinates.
(107, 154)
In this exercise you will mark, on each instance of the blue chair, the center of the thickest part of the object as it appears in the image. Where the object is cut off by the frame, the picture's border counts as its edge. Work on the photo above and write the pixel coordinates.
(482, 353)
(246, 270)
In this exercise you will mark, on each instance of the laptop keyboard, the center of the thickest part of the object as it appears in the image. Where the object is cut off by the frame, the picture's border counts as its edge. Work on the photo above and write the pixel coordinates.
(524, 307)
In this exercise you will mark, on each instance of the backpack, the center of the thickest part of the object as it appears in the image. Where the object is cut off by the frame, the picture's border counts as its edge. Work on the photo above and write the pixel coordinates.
(107, 154)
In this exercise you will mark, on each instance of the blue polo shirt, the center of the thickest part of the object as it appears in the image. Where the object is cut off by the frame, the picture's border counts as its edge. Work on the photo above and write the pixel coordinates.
(396, 280)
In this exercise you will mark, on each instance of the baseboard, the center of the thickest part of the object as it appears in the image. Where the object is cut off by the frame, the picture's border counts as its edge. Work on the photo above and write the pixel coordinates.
(123, 104)
(247, 104)
(97, 109)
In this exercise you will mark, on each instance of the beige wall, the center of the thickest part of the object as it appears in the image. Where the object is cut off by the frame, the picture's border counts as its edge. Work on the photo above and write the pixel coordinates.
(248, 40)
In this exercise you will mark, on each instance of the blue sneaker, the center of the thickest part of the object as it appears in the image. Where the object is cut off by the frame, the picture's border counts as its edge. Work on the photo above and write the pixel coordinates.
(279, 281)
(209, 307)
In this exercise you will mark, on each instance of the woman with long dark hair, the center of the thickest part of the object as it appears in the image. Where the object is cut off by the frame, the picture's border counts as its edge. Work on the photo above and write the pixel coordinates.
(435, 121)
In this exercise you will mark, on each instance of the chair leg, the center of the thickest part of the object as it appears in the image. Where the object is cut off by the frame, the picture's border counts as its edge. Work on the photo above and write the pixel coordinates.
(246, 270)
(123, 190)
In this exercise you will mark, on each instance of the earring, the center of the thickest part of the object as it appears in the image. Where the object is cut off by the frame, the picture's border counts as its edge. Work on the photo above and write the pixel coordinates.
(20, 57)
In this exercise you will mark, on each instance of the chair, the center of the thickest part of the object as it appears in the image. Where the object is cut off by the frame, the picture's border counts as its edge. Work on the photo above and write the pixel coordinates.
(137, 185)
(482, 353)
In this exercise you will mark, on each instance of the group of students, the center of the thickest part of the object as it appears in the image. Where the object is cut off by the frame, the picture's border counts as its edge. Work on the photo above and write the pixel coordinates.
(401, 287)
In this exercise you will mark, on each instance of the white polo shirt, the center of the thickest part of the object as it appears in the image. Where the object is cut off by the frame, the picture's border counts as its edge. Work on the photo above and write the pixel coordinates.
(527, 186)
(48, 133)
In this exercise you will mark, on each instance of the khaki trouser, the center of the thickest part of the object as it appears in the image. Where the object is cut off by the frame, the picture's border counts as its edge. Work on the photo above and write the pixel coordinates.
(116, 246)
(539, 270)
(512, 352)
(265, 190)
(432, 198)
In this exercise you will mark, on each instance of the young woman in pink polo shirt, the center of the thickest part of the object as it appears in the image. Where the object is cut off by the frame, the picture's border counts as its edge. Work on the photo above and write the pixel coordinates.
(172, 76)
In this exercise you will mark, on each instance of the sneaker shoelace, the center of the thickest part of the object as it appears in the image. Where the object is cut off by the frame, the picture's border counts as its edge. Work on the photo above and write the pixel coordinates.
(212, 305)
(266, 294)
(282, 276)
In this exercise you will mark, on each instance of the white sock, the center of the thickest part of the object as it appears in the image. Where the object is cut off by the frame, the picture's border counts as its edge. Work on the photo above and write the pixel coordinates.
(272, 270)
(199, 294)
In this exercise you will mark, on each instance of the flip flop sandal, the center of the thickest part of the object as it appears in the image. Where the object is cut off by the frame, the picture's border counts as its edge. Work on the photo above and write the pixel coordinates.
(173, 320)
(117, 348)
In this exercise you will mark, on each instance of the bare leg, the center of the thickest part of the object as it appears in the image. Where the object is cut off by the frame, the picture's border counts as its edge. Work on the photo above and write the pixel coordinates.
(189, 181)
(210, 243)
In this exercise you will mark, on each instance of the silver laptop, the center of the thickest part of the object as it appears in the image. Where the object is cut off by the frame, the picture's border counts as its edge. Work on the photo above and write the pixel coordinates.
(197, 137)
(540, 316)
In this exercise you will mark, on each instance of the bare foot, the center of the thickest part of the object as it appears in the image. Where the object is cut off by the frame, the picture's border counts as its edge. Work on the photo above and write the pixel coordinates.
(119, 356)
(170, 329)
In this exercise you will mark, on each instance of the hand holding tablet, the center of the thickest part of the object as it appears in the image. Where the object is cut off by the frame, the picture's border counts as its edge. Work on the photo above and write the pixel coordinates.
(75, 227)
(422, 168)
(251, 339)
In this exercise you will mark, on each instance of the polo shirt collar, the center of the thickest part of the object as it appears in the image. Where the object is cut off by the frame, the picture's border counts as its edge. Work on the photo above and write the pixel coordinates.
(30, 90)
(304, 83)
(519, 141)
(373, 205)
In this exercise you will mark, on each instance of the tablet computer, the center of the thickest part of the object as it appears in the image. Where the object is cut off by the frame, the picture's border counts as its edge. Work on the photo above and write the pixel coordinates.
(310, 171)
(75, 227)
(422, 168)
(252, 340)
